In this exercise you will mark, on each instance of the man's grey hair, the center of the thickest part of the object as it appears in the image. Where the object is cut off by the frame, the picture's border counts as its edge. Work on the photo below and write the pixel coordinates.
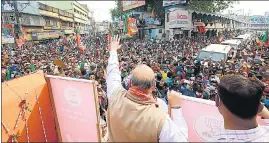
(142, 84)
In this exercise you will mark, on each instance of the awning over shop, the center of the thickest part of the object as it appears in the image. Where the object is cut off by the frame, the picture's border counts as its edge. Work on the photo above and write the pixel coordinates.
(66, 18)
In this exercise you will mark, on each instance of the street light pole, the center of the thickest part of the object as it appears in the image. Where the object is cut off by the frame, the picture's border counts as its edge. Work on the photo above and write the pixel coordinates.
(17, 16)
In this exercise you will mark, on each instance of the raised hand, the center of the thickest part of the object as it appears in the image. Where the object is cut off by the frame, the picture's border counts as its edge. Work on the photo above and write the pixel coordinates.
(115, 43)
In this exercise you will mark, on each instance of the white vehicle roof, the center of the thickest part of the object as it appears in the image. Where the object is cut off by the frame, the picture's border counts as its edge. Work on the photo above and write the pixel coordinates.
(217, 48)
(233, 42)
(245, 36)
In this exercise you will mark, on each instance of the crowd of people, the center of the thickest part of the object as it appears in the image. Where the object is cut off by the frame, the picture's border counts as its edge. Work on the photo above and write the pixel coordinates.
(173, 61)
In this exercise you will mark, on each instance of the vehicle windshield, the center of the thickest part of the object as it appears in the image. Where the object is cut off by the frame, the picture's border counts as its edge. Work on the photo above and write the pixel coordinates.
(215, 56)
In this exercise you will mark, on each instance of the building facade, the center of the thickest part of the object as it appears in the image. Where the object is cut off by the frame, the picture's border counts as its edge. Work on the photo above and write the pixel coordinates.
(80, 13)
(31, 21)
(55, 22)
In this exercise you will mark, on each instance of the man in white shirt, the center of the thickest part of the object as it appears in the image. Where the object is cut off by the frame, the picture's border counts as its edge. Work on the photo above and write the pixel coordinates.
(132, 114)
(239, 102)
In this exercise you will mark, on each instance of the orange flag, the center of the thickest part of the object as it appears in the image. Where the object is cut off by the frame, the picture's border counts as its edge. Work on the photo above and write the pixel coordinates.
(78, 39)
(132, 29)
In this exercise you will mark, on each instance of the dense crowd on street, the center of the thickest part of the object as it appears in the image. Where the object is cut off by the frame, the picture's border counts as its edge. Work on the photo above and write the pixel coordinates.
(173, 62)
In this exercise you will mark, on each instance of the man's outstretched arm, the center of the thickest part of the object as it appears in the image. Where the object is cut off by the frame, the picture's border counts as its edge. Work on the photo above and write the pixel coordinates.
(113, 78)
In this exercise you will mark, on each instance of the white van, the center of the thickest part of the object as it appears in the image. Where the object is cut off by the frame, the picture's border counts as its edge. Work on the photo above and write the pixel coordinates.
(216, 52)
(233, 43)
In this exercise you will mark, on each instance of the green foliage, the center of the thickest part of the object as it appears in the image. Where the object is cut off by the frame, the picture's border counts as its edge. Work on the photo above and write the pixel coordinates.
(210, 5)
(77, 30)
(117, 11)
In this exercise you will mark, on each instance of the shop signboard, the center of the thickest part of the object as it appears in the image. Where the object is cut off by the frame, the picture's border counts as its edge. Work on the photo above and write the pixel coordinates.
(127, 5)
(7, 39)
(173, 2)
(46, 35)
(178, 19)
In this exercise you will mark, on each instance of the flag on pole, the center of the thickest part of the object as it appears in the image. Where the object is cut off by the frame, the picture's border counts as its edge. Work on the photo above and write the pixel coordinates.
(258, 41)
(265, 37)
(78, 39)
(125, 21)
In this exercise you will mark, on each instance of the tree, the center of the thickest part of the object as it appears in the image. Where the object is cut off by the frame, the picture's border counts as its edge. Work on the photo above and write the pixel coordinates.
(117, 11)
(210, 5)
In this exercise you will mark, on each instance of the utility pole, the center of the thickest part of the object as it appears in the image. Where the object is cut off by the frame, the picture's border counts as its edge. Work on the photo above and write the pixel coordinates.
(17, 16)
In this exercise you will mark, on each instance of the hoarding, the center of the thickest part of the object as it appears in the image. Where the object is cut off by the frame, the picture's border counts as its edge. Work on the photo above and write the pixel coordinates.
(7, 33)
(178, 19)
(127, 5)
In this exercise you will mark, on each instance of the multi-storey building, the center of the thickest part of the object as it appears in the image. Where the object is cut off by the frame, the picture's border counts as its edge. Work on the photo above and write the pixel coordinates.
(55, 22)
(80, 12)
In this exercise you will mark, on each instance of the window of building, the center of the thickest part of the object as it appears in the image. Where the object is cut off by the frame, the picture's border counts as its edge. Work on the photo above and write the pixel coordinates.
(70, 24)
(47, 22)
(54, 23)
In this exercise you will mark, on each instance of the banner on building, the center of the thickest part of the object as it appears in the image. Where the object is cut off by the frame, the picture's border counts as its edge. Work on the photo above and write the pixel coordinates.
(7, 30)
(75, 109)
(127, 5)
(132, 28)
(7, 5)
(178, 19)
(173, 2)
(7, 33)
(205, 122)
